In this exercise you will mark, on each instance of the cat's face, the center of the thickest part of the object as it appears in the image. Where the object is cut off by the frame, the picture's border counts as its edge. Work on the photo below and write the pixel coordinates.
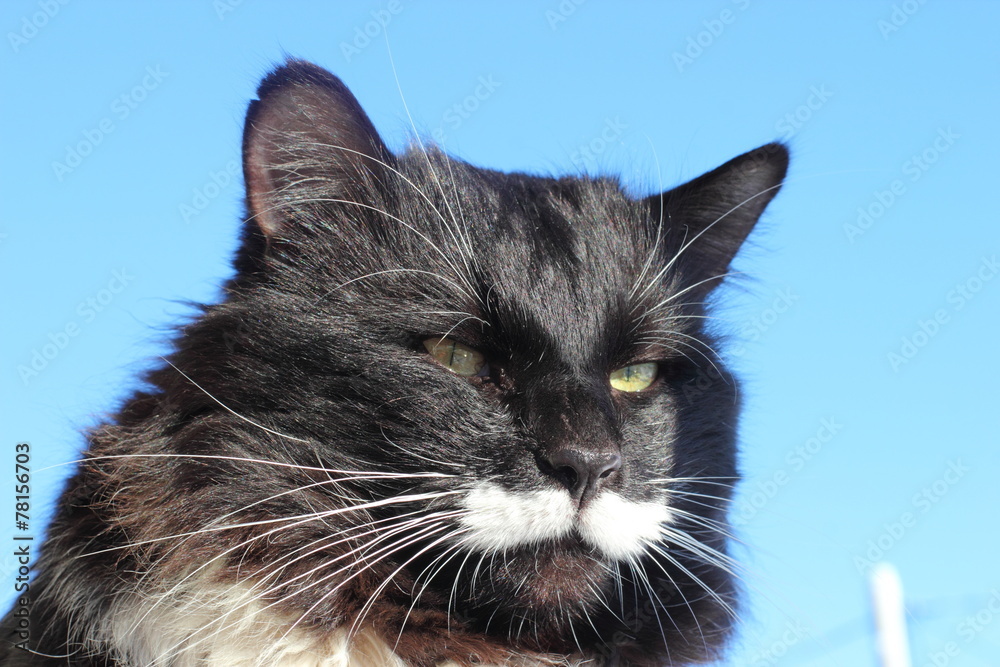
(513, 374)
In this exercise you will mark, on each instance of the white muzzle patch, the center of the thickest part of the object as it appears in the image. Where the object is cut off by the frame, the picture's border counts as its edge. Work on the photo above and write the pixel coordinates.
(498, 520)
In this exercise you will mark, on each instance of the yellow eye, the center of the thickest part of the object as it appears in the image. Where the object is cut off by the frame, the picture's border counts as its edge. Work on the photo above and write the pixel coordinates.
(634, 378)
(457, 358)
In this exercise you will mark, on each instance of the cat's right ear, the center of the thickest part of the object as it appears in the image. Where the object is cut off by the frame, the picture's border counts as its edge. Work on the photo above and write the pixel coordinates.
(306, 141)
(711, 216)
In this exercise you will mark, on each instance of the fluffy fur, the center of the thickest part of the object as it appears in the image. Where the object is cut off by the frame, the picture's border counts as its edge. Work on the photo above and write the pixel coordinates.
(303, 484)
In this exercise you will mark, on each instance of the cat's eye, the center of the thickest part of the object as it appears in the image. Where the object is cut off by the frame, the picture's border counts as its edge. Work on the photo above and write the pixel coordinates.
(634, 378)
(459, 359)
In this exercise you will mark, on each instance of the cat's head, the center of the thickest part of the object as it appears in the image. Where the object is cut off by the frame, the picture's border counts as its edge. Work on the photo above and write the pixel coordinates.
(515, 369)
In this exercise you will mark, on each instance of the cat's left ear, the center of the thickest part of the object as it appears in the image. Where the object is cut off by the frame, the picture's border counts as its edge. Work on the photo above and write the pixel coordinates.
(306, 140)
(709, 217)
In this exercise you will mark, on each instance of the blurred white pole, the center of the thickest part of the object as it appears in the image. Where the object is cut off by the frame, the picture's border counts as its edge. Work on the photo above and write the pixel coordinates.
(890, 616)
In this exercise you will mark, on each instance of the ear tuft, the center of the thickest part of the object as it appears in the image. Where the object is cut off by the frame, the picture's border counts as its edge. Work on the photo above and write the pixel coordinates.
(306, 137)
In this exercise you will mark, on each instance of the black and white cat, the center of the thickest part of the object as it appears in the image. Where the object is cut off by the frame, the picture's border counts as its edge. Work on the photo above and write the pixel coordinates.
(443, 416)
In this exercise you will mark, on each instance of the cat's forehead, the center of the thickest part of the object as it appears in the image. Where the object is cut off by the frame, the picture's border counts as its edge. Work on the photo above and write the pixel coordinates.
(568, 225)
(560, 257)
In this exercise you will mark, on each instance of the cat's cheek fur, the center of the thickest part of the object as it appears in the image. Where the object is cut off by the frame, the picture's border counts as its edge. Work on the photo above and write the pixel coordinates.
(498, 520)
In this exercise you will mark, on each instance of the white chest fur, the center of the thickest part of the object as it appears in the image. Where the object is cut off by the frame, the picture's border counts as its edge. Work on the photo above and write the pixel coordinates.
(205, 625)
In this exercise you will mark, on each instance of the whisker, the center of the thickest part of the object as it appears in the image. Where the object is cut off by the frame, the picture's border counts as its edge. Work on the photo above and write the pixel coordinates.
(655, 249)
(430, 165)
(312, 517)
(695, 579)
(352, 474)
(226, 407)
(687, 243)
(444, 558)
(387, 551)
(706, 553)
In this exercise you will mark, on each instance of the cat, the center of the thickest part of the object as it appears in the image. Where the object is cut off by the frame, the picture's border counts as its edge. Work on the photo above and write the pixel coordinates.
(443, 415)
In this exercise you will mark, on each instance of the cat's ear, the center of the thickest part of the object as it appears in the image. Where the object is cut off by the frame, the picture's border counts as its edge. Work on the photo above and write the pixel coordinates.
(709, 217)
(306, 139)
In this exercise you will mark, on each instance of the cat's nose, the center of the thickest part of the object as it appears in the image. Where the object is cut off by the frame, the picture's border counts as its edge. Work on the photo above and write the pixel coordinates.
(583, 471)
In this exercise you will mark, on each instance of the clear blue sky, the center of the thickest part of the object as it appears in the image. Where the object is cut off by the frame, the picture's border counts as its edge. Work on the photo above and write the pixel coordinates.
(866, 333)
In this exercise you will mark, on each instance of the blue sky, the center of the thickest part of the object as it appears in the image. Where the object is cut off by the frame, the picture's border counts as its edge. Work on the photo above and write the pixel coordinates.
(865, 332)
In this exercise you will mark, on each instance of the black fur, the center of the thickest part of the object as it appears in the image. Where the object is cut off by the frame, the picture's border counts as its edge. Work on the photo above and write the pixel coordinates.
(351, 258)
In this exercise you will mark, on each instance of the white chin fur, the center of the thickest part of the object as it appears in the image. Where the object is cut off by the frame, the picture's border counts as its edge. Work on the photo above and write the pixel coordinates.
(499, 519)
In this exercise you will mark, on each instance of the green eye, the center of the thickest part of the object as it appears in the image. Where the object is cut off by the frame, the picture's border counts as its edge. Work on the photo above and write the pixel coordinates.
(457, 358)
(634, 378)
